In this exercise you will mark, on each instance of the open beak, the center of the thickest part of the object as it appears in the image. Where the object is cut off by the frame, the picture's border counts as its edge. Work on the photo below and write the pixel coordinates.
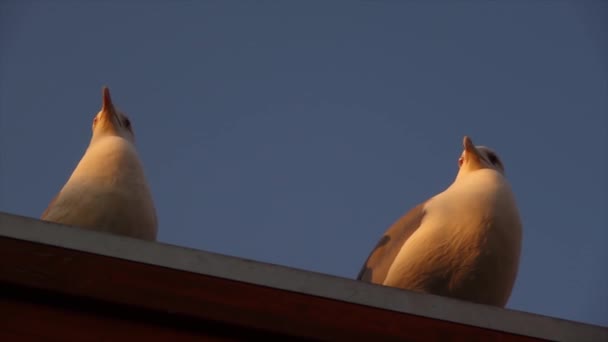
(470, 155)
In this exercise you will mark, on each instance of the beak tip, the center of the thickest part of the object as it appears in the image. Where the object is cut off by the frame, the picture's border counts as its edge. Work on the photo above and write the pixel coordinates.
(107, 100)
(467, 143)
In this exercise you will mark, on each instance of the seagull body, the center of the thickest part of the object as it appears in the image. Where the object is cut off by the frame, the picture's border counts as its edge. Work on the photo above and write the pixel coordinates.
(463, 243)
(107, 190)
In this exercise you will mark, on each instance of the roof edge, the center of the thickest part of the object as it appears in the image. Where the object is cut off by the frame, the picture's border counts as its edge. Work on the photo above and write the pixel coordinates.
(297, 280)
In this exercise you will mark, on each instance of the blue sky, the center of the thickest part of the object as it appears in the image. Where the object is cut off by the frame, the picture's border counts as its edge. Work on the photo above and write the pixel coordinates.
(296, 132)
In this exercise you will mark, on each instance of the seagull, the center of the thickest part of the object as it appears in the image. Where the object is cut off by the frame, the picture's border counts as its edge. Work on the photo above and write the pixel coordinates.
(463, 243)
(108, 191)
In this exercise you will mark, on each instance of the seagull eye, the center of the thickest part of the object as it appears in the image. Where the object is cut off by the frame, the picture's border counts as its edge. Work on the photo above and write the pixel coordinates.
(127, 123)
(493, 158)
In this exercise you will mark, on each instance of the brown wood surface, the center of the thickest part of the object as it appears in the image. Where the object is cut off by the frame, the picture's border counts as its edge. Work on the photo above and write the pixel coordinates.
(25, 320)
(50, 291)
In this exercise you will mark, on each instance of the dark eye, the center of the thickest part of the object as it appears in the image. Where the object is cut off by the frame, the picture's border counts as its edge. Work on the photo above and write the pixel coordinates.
(127, 123)
(493, 158)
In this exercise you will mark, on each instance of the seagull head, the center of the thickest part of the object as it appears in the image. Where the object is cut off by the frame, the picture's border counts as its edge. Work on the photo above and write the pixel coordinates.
(478, 157)
(110, 121)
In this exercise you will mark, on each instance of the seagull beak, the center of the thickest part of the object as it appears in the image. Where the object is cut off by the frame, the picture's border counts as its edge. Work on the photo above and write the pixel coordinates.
(471, 155)
(108, 112)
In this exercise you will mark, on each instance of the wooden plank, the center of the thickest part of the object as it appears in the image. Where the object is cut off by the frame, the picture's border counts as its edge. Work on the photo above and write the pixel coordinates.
(31, 321)
(170, 293)
(31, 316)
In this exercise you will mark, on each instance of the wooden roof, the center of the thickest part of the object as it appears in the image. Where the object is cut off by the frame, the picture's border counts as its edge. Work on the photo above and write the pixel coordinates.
(70, 284)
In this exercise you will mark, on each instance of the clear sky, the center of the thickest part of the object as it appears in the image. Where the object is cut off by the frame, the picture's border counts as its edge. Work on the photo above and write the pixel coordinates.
(296, 132)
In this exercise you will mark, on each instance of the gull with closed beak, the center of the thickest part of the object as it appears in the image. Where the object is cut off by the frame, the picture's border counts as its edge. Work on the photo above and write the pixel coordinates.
(108, 191)
(464, 242)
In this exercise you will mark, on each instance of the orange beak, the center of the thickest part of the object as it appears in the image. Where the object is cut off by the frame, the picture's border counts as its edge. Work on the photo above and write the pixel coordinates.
(470, 155)
(107, 107)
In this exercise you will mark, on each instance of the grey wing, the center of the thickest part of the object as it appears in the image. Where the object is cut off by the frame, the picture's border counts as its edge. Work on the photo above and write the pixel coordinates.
(382, 256)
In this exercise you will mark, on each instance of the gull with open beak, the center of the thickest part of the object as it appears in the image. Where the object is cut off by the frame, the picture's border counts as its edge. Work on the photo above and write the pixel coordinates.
(107, 190)
(463, 243)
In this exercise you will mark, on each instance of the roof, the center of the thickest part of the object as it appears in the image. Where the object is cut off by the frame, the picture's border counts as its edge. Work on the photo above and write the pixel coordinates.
(79, 284)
